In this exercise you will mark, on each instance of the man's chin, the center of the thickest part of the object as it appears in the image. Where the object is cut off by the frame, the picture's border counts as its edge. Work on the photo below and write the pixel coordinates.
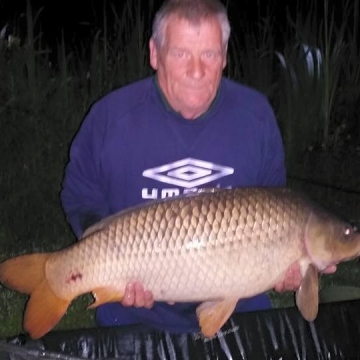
(196, 103)
(192, 112)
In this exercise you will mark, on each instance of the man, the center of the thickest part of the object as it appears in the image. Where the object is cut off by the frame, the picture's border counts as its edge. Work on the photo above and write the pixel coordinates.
(185, 128)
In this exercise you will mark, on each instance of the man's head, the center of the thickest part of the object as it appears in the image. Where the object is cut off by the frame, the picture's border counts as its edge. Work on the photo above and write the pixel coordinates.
(188, 49)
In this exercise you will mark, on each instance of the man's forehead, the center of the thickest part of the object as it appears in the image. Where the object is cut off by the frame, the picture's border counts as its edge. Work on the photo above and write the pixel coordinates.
(193, 19)
(181, 21)
(176, 24)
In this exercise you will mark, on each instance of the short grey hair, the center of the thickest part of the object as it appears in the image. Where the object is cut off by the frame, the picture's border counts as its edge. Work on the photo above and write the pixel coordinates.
(193, 11)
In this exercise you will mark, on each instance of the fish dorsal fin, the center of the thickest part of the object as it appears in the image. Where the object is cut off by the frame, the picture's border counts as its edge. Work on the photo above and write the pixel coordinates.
(105, 222)
(212, 315)
(208, 190)
(307, 296)
(100, 225)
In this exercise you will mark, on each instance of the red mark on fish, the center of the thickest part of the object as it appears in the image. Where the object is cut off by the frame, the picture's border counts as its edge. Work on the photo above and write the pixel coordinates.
(74, 277)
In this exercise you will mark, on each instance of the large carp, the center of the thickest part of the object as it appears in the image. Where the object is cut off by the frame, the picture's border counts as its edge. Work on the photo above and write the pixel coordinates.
(211, 247)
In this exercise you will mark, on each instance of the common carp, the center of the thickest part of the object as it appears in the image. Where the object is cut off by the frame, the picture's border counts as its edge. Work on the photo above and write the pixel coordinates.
(211, 247)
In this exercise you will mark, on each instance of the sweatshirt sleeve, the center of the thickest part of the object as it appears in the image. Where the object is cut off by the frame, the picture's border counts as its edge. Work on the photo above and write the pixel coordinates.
(83, 195)
(273, 169)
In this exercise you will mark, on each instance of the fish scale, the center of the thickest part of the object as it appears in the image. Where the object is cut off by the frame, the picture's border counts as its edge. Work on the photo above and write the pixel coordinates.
(221, 245)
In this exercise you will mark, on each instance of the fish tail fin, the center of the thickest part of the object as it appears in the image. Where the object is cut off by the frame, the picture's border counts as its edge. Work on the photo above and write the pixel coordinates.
(26, 274)
(43, 310)
(23, 273)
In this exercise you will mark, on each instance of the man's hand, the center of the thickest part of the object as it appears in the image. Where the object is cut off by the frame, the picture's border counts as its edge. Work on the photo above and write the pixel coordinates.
(135, 295)
(292, 279)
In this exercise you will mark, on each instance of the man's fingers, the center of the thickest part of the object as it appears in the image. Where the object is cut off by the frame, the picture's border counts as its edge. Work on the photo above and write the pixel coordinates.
(139, 295)
(279, 287)
(330, 270)
(294, 280)
(291, 281)
(149, 300)
(129, 295)
(135, 295)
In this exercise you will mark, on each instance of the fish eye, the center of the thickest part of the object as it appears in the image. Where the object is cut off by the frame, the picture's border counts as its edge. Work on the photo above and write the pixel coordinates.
(349, 230)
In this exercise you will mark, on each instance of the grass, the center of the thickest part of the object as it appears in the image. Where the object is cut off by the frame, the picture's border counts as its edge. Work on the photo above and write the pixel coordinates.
(42, 105)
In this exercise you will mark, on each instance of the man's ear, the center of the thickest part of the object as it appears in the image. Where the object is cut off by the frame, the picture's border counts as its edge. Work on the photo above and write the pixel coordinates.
(225, 58)
(153, 54)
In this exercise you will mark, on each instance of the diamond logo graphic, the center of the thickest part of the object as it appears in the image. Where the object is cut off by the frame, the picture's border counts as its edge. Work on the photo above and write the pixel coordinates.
(188, 172)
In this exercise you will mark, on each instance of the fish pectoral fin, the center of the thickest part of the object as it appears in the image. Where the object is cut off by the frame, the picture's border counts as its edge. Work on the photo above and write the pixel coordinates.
(307, 296)
(212, 315)
(43, 310)
(105, 295)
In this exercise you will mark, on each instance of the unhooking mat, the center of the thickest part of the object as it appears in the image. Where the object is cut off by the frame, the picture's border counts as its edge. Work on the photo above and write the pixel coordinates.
(273, 334)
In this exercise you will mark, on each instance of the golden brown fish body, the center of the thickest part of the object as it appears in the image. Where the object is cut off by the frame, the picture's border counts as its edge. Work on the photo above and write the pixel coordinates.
(213, 247)
(208, 246)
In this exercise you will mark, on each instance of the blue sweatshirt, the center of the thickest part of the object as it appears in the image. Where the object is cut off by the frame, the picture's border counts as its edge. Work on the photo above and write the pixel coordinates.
(132, 147)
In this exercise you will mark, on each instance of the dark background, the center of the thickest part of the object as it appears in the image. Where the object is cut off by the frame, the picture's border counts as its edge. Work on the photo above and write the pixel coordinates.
(78, 19)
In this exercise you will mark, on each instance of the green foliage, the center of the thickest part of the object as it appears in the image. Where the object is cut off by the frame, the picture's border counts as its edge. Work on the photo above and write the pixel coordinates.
(313, 94)
(42, 105)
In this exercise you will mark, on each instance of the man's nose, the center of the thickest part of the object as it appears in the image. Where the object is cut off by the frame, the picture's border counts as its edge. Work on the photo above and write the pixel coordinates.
(196, 68)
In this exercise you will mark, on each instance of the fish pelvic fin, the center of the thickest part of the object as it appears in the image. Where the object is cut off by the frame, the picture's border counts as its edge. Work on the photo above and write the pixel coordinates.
(307, 296)
(212, 315)
(26, 274)
(105, 295)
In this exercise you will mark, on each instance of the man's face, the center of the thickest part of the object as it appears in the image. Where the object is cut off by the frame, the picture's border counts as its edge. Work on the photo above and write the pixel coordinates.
(189, 64)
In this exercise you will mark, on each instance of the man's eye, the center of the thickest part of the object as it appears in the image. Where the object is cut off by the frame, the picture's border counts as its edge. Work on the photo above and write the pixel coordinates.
(180, 54)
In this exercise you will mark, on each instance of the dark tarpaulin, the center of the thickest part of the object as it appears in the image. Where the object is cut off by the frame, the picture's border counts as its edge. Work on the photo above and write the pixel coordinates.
(273, 334)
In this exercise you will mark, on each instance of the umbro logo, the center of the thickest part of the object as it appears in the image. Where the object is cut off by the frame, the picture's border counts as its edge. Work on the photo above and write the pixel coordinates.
(188, 173)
